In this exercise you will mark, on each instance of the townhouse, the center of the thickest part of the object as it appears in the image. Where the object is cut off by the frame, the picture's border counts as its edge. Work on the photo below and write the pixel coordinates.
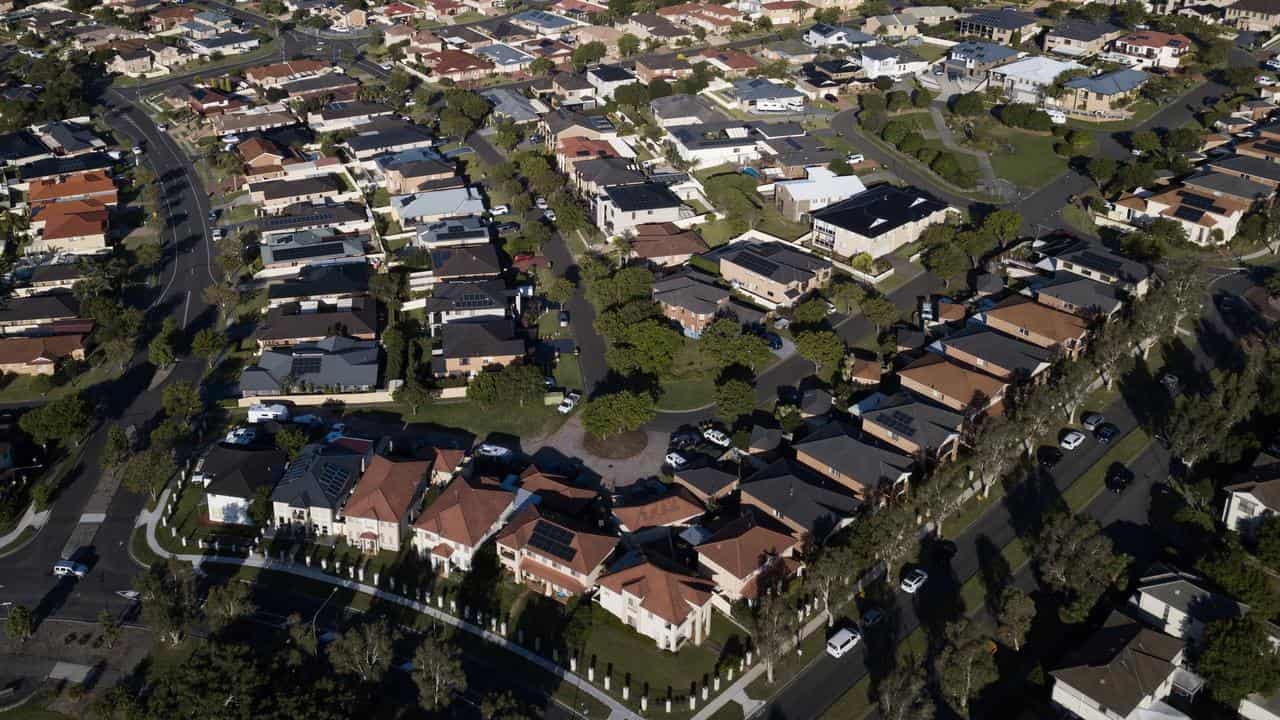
(707, 483)
(996, 353)
(954, 385)
(810, 506)
(1253, 501)
(1253, 15)
(772, 274)
(1207, 218)
(747, 555)
(870, 471)
(713, 18)
(1074, 294)
(668, 605)
(1180, 604)
(916, 427)
(676, 509)
(551, 556)
(1092, 260)
(276, 75)
(1005, 26)
(462, 518)
(1024, 318)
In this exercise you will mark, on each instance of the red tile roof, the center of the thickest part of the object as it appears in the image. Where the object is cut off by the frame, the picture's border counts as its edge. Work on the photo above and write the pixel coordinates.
(387, 489)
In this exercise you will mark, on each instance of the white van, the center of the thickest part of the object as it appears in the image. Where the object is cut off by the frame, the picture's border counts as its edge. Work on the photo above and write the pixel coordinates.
(260, 413)
(65, 568)
(842, 642)
(1057, 117)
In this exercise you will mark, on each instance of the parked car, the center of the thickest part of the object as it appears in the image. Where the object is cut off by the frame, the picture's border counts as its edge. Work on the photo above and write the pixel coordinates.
(842, 642)
(831, 99)
(1171, 383)
(774, 341)
(676, 460)
(914, 580)
(1071, 440)
(855, 158)
(569, 402)
(499, 210)
(1272, 64)
(684, 438)
(336, 431)
(506, 227)
(213, 216)
(66, 568)
(1266, 80)
(1057, 117)
(491, 450)
(311, 421)
(1118, 478)
(564, 318)
(781, 323)
(541, 203)
(262, 413)
(715, 437)
(549, 215)
(1091, 421)
(871, 618)
(241, 436)
(1106, 432)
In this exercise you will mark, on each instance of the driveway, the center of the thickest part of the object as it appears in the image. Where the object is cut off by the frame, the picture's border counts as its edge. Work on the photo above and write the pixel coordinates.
(566, 444)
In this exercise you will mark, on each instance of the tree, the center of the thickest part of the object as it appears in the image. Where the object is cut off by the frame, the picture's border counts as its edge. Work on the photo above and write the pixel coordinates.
(364, 651)
(117, 448)
(387, 288)
(412, 394)
(1230, 567)
(542, 67)
(148, 472)
(1237, 659)
(160, 351)
(848, 296)
(965, 666)
(830, 569)
(221, 295)
(968, 104)
(168, 594)
(207, 344)
(437, 671)
(1192, 426)
(725, 344)
(181, 400)
(648, 346)
(628, 44)
(62, 420)
(501, 706)
(21, 623)
(110, 628)
(634, 95)
(772, 625)
(904, 693)
(1002, 226)
(1112, 351)
(615, 413)
(227, 603)
(823, 348)
(880, 311)
(734, 398)
(587, 54)
(1267, 536)
(947, 261)
(1076, 561)
(556, 289)
(659, 88)
(291, 440)
(1015, 613)
(810, 312)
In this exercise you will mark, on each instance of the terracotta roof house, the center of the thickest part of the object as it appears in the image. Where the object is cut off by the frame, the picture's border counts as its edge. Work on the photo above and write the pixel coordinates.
(448, 463)
(665, 245)
(746, 555)
(660, 602)
(280, 73)
(1024, 318)
(95, 185)
(733, 63)
(572, 150)
(71, 226)
(465, 515)
(554, 558)
(677, 507)
(381, 504)
(864, 467)
(954, 385)
(556, 492)
(811, 506)
(38, 355)
(457, 65)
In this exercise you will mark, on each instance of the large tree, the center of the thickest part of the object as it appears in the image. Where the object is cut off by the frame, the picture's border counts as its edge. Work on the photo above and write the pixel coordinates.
(1236, 658)
(826, 573)
(772, 624)
(965, 666)
(363, 650)
(437, 671)
(181, 400)
(615, 413)
(147, 472)
(823, 348)
(735, 397)
(63, 420)
(904, 693)
(1077, 562)
(169, 603)
(1015, 612)
(227, 603)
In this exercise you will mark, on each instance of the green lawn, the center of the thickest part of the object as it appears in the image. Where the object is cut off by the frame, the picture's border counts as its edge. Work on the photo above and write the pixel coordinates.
(716, 232)
(24, 388)
(1079, 219)
(528, 422)
(568, 373)
(191, 520)
(1091, 483)
(239, 214)
(974, 591)
(927, 51)
(691, 383)
(773, 223)
(1031, 163)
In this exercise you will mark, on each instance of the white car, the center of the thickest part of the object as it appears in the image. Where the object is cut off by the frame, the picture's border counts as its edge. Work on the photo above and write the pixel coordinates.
(842, 642)
(241, 436)
(1266, 80)
(1272, 64)
(855, 158)
(541, 203)
(569, 402)
(1071, 440)
(490, 450)
(550, 215)
(914, 581)
(676, 460)
(261, 413)
(499, 210)
(715, 437)
(1057, 117)
(66, 568)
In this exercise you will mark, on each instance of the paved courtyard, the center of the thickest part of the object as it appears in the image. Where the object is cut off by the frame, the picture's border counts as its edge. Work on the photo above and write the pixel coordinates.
(566, 444)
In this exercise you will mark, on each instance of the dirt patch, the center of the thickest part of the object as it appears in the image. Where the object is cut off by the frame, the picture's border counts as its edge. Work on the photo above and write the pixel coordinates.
(628, 444)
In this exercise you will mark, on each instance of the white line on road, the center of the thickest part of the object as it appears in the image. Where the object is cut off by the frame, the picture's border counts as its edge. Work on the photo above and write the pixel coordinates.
(186, 310)
(91, 518)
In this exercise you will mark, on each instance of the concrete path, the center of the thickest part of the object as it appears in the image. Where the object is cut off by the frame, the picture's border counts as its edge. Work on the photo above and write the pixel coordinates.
(30, 519)
(949, 141)
(617, 711)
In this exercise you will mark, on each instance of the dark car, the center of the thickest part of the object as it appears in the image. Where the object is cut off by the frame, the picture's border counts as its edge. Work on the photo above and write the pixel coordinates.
(775, 342)
(506, 227)
(1048, 456)
(831, 98)
(1118, 478)
(682, 439)
(1106, 432)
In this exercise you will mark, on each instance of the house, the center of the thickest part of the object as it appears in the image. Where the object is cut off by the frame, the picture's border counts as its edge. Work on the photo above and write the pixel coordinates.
(561, 123)
(465, 300)
(606, 79)
(346, 115)
(1220, 185)
(428, 206)
(674, 508)
(713, 18)
(274, 195)
(462, 518)
(70, 226)
(1179, 604)
(773, 274)
(956, 386)
(573, 150)
(329, 87)
(1079, 38)
(885, 61)
(1074, 294)
(664, 245)
(678, 110)
(311, 494)
(865, 468)
(573, 90)
(543, 23)
(38, 314)
(709, 145)
(650, 26)
(384, 135)
(1254, 169)
(252, 122)
(466, 262)
(276, 75)
(406, 176)
(505, 58)
(995, 353)
(810, 506)
(93, 185)
(1104, 94)
(332, 365)
(381, 505)
(1154, 49)
(876, 221)
(1122, 669)
(917, 427)
(554, 558)
(322, 246)
(47, 278)
(1253, 15)
(1249, 503)
(592, 177)
(666, 67)
(933, 14)
(233, 477)
(1207, 218)
(787, 12)
(512, 105)
(310, 321)
(732, 63)
(1005, 26)
(1024, 318)
(747, 555)
(621, 208)
(707, 483)
(761, 95)
(227, 43)
(823, 35)
(467, 348)
(893, 26)
(555, 493)
(1093, 260)
(455, 231)
(1026, 80)
(975, 59)
(659, 601)
(793, 51)
(39, 355)
(795, 156)
(456, 65)
(167, 18)
(798, 200)
(344, 217)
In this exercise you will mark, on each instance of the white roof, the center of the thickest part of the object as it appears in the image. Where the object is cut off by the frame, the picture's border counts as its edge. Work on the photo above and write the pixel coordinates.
(823, 184)
(1039, 70)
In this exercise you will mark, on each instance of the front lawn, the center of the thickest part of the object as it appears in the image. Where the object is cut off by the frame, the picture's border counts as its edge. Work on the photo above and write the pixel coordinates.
(528, 422)
(1023, 158)
(716, 232)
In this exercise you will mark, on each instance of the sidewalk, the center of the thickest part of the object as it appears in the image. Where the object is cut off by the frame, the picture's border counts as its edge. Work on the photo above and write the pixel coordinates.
(617, 711)
(30, 519)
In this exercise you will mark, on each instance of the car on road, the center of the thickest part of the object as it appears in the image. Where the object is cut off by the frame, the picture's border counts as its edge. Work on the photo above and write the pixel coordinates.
(716, 437)
(569, 402)
(386, 65)
(1048, 457)
(1272, 64)
(855, 158)
(842, 642)
(564, 318)
(535, 138)
(774, 340)
(499, 210)
(871, 618)
(1106, 432)
(492, 451)
(213, 216)
(241, 436)
(1118, 478)
(1092, 420)
(1071, 440)
(66, 568)
(676, 460)
(914, 580)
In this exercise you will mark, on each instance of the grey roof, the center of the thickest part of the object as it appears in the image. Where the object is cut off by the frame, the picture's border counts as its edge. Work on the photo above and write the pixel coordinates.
(764, 438)
(1112, 83)
(348, 278)
(411, 156)
(72, 137)
(1082, 30)
(884, 52)
(774, 130)
(609, 171)
(234, 471)
(707, 479)
(543, 19)
(756, 89)
(571, 81)
(386, 133)
(1258, 167)
(1182, 592)
(19, 145)
(1006, 19)
(917, 420)
(66, 165)
(322, 476)
(805, 150)
(353, 109)
(502, 54)
(468, 295)
(509, 103)
(702, 136)
(306, 215)
(453, 230)
(49, 306)
(655, 61)
(442, 203)
(319, 83)
(792, 48)
(226, 39)
(277, 189)
(795, 493)
(999, 349)
(560, 119)
(288, 322)
(984, 53)
(687, 290)
(1080, 291)
(642, 196)
(816, 401)
(312, 246)
(336, 362)
(853, 457)
(1096, 257)
(685, 106)
(465, 261)
(611, 74)
(880, 209)
(1121, 664)
(774, 260)
(1232, 185)
(55, 272)
(488, 338)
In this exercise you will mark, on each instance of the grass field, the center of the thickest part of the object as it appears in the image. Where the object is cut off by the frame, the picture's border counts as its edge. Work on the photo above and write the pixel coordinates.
(1030, 163)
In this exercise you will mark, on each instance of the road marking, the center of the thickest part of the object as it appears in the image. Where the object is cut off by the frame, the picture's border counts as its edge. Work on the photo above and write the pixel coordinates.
(93, 518)
(186, 309)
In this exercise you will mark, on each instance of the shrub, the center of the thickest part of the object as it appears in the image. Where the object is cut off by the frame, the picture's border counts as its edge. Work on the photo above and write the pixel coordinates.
(872, 101)
(1062, 149)
(896, 100)
(911, 143)
(921, 98)
(927, 155)
(895, 131)
(873, 120)
(883, 83)
(1028, 117)
(967, 104)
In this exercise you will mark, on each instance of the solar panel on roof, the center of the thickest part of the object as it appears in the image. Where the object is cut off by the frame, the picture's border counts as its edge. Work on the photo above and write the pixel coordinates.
(1188, 214)
(1098, 261)
(473, 300)
(330, 248)
(755, 263)
(305, 365)
(553, 540)
(899, 422)
(333, 478)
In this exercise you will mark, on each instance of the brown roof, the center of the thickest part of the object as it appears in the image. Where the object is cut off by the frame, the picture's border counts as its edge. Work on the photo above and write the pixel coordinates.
(255, 147)
(743, 545)
(584, 148)
(72, 218)
(556, 489)
(465, 510)
(386, 489)
(1023, 312)
(286, 69)
(1121, 663)
(951, 379)
(674, 508)
(658, 240)
(734, 59)
(87, 183)
(1268, 493)
(449, 61)
(448, 459)
(863, 370)
(587, 550)
(39, 350)
(667, 594)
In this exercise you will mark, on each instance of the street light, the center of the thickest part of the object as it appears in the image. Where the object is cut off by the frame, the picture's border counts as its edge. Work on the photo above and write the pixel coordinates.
(317, 615)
